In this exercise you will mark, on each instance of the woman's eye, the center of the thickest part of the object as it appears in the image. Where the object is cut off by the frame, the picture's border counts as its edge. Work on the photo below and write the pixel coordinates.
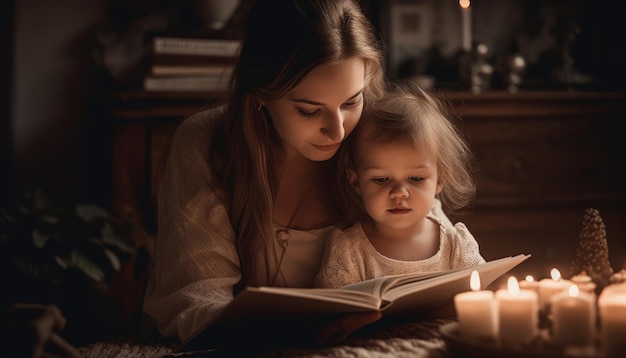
(416, 179)
(354, 103)
(380, 180)
(307, 114)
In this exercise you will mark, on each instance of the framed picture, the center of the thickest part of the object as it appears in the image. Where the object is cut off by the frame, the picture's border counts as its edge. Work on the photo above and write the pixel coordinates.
(411, 28)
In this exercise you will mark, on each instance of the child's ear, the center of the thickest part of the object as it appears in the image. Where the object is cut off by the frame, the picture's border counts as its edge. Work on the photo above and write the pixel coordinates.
(353, 180)
(439, 186)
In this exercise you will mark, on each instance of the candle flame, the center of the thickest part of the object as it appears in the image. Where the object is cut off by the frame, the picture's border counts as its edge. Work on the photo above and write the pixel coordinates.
(555, 274)
(529, 278)
(573, 291)
(475, 281)
(465, 4)
(513, 286)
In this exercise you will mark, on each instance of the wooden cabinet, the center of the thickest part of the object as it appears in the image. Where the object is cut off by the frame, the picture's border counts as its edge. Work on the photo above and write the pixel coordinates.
(542, 158)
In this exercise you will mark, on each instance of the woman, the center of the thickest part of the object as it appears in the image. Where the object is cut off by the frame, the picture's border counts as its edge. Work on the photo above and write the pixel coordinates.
(248, 193)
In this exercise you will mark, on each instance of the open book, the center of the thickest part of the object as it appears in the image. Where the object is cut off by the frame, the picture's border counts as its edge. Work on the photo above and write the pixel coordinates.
(407, 293)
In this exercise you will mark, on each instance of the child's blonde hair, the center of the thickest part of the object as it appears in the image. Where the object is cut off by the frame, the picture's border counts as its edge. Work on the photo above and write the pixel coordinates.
(409, 113)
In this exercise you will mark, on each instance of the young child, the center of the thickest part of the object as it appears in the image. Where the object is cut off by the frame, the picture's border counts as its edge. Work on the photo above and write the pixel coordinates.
(403, 162)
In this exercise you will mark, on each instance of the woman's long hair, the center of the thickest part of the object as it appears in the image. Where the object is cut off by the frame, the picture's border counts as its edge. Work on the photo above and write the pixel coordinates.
(285, 40)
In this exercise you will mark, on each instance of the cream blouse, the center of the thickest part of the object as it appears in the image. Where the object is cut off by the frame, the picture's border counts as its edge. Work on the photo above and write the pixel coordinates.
(350, 257)
(196, 264)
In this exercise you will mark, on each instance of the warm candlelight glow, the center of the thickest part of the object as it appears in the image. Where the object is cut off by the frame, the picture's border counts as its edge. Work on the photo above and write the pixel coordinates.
(477, 312)
(518, 314)
(464, 4)
(513, 286)
(549, 287)
(573, 315)
(475, 281)
(612, 304)
(529, 278)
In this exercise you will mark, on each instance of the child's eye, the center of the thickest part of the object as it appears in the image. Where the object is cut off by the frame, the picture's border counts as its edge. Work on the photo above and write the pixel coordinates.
(380, 180)
(416, 179)
(306, 114)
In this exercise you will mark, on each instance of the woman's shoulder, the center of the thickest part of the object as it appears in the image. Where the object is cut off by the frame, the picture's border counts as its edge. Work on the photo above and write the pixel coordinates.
(201, 124)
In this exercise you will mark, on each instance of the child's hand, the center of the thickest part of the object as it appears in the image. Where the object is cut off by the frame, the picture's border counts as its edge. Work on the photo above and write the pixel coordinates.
(338, 331)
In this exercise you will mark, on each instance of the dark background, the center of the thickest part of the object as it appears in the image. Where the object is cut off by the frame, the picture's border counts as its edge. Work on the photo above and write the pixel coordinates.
(60, 58)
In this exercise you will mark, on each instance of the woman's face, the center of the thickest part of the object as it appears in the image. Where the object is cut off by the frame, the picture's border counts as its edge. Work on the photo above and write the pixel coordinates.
(321, 111)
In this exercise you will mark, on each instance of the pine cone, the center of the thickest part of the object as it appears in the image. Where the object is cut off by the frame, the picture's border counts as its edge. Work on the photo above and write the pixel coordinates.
(592, 255)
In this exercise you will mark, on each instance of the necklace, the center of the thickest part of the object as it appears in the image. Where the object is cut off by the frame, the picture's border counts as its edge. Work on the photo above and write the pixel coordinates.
(282, 236)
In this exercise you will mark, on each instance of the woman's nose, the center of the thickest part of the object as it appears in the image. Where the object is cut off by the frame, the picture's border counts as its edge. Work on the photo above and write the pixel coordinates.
(334, 126)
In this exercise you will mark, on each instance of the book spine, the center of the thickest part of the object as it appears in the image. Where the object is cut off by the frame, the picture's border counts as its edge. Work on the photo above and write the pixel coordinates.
(201, 47)
(191, 70)
(177, 59)
(217, 83)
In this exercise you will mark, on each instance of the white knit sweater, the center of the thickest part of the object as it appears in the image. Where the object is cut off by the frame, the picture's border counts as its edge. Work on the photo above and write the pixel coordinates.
(196, 264)
(350, 257)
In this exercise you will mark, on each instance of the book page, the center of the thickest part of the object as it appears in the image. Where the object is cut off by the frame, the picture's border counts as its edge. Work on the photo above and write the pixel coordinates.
(378, 286)
(355, 298)
(443, 287)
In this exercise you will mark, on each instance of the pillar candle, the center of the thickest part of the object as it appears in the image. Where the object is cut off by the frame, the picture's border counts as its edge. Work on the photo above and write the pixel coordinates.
(476, 311)
(529, 283)
(612, 306)
(584, 283)
(548, 287)
(619, 277)
(518, 313)
(466, 25)
(573, 317)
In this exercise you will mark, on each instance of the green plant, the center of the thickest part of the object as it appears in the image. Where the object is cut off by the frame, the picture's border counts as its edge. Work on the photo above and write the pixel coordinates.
(44, 246)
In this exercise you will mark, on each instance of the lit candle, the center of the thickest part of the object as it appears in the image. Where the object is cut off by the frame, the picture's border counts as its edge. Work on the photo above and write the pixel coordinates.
(466, 25)
(518, 312)
(584, 283)
(574, 317)
(612, 305)
(477, 313)
(548, 287)
(619, 277)
(529, 283)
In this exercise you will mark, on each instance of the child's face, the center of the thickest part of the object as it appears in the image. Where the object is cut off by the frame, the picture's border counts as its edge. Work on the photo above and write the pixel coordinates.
(397, 182)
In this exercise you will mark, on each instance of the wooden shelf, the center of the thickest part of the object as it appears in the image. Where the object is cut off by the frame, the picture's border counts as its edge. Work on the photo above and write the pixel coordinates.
(139, 105)
(541, 158)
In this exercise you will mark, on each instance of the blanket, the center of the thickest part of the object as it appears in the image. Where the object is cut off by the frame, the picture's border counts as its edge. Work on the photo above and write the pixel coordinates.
(412, 339)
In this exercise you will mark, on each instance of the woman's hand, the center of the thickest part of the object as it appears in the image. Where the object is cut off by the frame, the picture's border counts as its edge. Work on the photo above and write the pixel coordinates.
(336, 332)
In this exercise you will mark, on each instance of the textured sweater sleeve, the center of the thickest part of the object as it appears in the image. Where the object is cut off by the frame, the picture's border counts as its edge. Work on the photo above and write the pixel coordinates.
(195, 262)
(342, 263)
(464, 249)
(465, 252)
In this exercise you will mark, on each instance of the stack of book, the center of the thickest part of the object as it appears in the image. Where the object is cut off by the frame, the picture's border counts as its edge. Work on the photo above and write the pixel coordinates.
(191, 64)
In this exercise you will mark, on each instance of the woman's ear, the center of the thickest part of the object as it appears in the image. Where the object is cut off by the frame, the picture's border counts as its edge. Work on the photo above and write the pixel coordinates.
(257, 102)
(353, 180)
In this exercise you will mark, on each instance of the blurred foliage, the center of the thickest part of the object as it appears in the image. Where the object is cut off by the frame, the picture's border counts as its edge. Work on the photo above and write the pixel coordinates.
(43, 246)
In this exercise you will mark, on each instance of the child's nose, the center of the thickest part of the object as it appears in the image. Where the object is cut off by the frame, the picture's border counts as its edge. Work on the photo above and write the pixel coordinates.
(399, 191)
